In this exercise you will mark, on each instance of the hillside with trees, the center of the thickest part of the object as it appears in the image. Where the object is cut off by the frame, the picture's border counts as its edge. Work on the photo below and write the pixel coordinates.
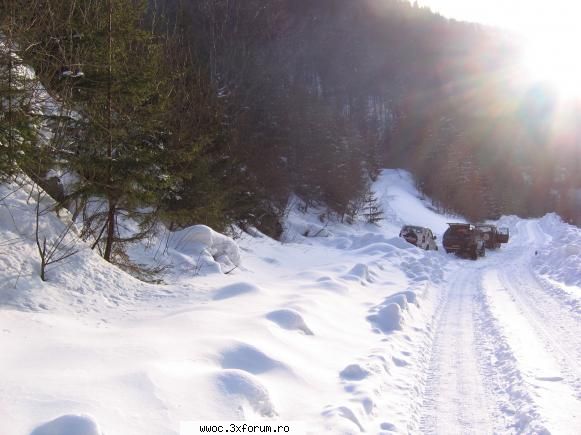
(219, 112)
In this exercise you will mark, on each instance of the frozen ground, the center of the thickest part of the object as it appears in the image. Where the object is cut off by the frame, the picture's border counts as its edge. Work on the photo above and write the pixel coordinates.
(346, 328)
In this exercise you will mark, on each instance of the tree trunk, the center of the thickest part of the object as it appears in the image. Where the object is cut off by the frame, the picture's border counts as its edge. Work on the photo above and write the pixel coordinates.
(42, 271)
(110, 231)
(112, 208)
(11, 150)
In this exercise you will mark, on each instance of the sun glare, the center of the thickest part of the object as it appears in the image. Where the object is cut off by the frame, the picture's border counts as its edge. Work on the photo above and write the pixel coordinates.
(552, 29)
(557, 62)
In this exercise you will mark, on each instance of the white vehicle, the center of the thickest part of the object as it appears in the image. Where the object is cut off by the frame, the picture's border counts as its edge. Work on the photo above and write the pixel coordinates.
(419, 236)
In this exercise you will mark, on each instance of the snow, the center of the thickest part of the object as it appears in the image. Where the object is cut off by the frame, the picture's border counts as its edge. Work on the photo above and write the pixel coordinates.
(247, 390)
(537, 367)
(289, 319)
(202, 240)
(560, 259)
(233, 290)
(346, 328)
(388, 318)
(389, 315)
(68, 425)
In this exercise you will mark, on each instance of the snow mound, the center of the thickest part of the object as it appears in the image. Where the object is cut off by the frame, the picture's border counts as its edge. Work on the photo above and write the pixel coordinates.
(368, 239)
(399, 299)
(560, 258)
(388, 318)
(343, 420)
(331, 284)
(246, 393)
(400, 243)
(206, 248)
(289, 319)
(359, 272)
(409, 297)
(248, 358)
(354, 372)
(389, 315)
(424, 268)
(69, 425)
(233, 290)
(302, 227)
(510, 221)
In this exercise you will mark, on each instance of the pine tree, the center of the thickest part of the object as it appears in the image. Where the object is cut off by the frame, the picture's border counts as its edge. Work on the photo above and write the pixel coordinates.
(18, 116)
(120, 99)
(371, 209)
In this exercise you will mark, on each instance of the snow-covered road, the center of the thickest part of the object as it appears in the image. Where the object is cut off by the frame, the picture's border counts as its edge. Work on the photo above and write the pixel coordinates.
(555, 324)
(506, 354)
(457, 398)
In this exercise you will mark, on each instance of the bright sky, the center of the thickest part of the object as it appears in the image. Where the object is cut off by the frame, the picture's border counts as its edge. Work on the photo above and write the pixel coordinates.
(551, 27)
(527, 16)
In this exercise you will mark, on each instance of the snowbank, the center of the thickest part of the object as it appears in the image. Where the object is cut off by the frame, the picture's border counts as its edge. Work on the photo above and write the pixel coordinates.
(288, 336)
(560, 258)
(184, 254)
(81, 281)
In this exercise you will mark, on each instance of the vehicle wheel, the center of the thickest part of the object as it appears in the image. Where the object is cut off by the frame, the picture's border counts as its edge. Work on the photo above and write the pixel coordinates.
(474, 254)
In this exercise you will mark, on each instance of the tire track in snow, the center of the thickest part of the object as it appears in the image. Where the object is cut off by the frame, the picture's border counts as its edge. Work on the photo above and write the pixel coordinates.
(457, 399)
(538, 379)
(558, 327)
(424, 361)
(515, 408)
(534, 357)
(560, 334)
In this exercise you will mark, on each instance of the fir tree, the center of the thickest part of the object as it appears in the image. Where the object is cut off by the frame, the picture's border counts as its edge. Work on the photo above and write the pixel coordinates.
(18, 116)
(120, 99)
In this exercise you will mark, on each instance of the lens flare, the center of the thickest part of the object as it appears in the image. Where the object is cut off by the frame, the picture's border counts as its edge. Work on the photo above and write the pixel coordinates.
(556, 62)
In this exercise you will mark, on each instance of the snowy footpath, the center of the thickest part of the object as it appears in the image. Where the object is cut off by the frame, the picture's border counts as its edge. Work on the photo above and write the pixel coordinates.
(347, 329)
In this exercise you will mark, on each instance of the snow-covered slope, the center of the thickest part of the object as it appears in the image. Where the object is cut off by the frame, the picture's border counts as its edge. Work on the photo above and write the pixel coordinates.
(345, 328)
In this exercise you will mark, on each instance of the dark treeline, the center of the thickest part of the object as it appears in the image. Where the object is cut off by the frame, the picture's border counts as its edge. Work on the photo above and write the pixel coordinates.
(220, 111)
(322, 94)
